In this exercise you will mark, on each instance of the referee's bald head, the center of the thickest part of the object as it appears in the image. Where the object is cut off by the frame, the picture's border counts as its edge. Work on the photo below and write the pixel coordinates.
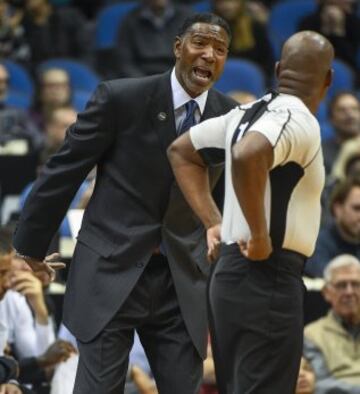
(304, 68)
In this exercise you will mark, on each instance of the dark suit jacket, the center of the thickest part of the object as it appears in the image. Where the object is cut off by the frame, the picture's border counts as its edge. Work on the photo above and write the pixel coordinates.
(135, 205)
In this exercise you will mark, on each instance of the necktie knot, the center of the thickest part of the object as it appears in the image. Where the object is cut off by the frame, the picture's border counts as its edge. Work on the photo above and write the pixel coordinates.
(189, 120)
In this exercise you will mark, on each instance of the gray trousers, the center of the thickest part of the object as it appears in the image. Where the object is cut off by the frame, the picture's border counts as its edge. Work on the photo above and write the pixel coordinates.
(152, 309)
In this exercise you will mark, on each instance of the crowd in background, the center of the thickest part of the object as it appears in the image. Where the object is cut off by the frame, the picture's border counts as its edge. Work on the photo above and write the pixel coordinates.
(33, 32)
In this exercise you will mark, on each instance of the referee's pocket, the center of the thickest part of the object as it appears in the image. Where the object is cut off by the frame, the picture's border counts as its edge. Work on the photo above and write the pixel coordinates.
(233, 271)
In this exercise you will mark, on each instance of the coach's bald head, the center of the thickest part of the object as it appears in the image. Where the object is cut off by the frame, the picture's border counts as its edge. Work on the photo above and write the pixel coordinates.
(304, 69)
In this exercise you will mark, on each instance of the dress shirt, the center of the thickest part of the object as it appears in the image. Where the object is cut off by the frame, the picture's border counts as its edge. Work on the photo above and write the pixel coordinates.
(29, 338)
(181, 97)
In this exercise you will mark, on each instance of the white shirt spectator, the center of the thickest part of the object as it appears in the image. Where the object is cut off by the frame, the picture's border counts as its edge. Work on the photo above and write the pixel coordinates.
(28, 338)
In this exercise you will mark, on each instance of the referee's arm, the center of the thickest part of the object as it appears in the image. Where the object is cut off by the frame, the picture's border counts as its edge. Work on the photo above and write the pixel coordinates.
(252, 158)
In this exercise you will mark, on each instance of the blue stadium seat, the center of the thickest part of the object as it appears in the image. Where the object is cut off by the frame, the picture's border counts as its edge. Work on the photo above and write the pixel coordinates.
(21, 86)
(326, 130)
(322, 113)
(80, 99)
(284, 19)
(202, 6)
(344, 78)
(18, 100)
(20, 79)
(241, 75)
(82, 77)
(108, 22)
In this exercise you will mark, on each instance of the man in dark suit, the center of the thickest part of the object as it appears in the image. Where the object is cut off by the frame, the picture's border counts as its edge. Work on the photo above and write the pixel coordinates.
(140, 261)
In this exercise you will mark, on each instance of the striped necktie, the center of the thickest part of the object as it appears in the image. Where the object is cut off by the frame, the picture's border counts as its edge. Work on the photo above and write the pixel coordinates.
(189, 120)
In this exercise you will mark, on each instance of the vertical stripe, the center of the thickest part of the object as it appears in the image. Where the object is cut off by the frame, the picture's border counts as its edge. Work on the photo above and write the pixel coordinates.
(283, 181)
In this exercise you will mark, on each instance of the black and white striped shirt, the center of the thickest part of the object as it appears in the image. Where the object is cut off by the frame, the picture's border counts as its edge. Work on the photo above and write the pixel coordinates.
(295, 182)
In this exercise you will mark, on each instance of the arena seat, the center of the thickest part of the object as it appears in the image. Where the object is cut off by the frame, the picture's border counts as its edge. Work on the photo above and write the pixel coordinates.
(284, 19)
(107, 23)
(82, 77)
(21, 86)
(242, 75)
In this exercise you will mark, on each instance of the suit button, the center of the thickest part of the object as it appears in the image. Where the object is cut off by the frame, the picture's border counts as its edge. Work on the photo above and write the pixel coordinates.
(139, 265)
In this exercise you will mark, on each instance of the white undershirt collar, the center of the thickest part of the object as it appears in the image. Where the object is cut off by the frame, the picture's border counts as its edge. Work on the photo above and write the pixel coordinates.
(180, 97)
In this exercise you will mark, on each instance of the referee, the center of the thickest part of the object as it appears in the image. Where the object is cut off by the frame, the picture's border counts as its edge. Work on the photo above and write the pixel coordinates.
(274, 176)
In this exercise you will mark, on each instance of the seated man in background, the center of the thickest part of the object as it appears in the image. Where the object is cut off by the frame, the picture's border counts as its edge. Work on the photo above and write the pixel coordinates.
(55, 128)
(250, 38)
(332, 343)
(15, 124)
(342, 235)
(9, 369)
(338, 21)
(30, 331)
(145, 39)
(344, 116)
(53, 92)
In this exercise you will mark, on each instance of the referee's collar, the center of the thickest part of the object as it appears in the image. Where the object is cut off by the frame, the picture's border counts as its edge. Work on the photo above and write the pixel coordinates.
(294, 100)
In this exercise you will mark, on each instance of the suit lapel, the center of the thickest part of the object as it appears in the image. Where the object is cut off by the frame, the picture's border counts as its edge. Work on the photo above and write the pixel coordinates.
(213, 107)
(162, 111)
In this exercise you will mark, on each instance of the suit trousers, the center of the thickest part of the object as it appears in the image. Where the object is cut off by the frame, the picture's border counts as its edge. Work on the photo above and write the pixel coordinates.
(152, 309)
(257, 321)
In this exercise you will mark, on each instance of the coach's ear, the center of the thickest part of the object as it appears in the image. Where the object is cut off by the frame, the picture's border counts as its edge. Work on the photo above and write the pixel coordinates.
(277, 69)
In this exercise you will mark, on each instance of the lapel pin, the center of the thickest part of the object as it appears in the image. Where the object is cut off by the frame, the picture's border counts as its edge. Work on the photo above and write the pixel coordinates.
(162, 116)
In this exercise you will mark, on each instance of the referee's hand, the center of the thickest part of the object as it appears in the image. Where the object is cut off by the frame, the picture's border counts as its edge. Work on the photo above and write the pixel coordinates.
(257, 248)
(213, 237)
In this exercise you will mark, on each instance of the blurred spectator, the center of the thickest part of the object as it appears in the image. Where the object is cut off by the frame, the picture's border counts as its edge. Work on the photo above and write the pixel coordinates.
(8, 366)
(13, 44)
(344, 114)
(338, 22)
(258, 10)
(347, 163)
(5, 268)
(15, 124)
(209, 378)
(143, 382)
(54, 31)
(58, 122)
(29, 327)
(138, 381)
(60, 119)
(342, 235)
(306, 379)
(9, 369)
(332, 343)
(25, 311)
(89, 8)
(146, 37)
(54, 91)
(249, 37)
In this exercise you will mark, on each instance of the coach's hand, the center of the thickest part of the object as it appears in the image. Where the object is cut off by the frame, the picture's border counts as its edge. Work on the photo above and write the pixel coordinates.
(45, 269)
(257, 248)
